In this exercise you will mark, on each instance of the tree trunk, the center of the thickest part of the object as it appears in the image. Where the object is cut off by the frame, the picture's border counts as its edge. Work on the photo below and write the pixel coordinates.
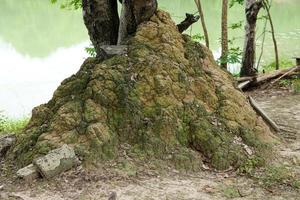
(262, 44)
(134, 12)
(127, 21)
(199, 6)
(248, 61)
(267, 6)
(224, 34)
(102, 21)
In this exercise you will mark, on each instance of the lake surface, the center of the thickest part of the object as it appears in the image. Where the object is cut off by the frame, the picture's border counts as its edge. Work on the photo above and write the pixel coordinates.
(40, 44)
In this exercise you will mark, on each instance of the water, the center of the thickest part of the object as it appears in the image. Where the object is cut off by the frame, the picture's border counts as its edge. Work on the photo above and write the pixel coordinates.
(40, 44)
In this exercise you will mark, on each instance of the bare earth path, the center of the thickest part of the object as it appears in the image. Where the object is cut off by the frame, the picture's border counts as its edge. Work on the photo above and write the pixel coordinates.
(285, 111)
(207, 185)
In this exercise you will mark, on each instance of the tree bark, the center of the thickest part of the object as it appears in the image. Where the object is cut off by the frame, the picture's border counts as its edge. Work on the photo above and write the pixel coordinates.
(224, 36)
(200, 10)
(128, 23)
(248, 60)
(102, 21)
(134, 12)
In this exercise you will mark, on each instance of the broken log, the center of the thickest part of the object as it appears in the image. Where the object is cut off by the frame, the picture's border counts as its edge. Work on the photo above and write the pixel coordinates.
(267, 119)
(273, 75)
(244, 84)
(246, 78)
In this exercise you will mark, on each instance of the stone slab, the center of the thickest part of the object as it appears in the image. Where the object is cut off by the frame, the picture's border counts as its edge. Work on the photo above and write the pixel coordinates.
(28, 173)
(56, 161)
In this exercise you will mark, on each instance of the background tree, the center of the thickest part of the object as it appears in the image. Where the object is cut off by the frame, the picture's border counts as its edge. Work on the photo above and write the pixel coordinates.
(200, 10)
(248, 61)
(267, 6)
(224, 36)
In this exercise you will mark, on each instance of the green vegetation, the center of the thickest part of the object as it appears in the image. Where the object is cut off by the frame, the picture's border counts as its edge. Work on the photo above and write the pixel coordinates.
(293, 83)
(284, 63)
(271, 176)
(231, 192)
(12, 125)
(296, 85)
(279, 175)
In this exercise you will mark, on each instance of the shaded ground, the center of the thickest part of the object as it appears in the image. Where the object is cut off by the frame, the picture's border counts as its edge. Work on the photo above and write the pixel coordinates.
(281, 105)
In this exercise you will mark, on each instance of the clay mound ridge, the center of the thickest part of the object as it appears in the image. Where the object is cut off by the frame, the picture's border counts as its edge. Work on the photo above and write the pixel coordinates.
(166, 100)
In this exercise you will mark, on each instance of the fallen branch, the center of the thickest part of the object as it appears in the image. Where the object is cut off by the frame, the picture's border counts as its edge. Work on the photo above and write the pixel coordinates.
(276, 74)
(282, 76)
(244, 84)
(263, 114)
(247, 78)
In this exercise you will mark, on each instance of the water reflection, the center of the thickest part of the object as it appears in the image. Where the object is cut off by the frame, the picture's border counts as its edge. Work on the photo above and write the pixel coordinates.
(26, 82)
(37, 28)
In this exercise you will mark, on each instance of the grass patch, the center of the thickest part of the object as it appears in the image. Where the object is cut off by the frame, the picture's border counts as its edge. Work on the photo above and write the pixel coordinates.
(279, 175)
(283, 63)
(12, 125)
(231, 192)
(293, 83)
(276, 177)
(296, 85)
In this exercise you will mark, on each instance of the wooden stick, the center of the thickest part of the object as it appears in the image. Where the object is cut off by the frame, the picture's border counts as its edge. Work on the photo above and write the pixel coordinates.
(244, 84)
(247, 78)
(263, 114)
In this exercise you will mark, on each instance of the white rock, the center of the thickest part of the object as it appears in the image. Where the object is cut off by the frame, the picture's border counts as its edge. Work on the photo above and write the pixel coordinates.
(56, 161)
(28, 173)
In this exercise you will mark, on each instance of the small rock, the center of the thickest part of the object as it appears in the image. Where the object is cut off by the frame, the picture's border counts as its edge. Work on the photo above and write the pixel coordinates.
(112, 50)
(113, 196)
(28, 173)
(56, 161)
(245, 191)
(6, 141)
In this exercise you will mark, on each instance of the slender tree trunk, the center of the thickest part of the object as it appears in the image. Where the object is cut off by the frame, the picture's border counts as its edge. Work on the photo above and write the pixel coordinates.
(267, 5)
(200, 10)
(102, 21)
(248, 60)
(224, 37)
(262, 44)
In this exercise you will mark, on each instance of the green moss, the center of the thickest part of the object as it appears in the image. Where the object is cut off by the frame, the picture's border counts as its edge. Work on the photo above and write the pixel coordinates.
(116, 60)
(186, 160)
(158, 100)
(193, 49)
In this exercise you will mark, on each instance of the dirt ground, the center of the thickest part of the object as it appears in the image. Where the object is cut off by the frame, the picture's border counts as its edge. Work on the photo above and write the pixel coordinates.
(82, 184)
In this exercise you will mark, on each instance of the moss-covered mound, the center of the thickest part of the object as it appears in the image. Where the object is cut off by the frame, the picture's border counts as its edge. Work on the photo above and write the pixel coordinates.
(166, 100)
